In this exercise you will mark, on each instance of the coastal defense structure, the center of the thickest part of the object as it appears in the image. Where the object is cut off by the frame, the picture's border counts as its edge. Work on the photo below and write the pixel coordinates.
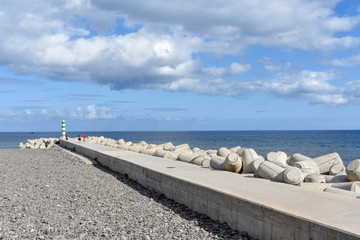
(264, 209)
(63, 129)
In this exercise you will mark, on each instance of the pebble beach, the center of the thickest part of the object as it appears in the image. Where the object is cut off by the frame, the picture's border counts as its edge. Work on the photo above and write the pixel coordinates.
(51, 194)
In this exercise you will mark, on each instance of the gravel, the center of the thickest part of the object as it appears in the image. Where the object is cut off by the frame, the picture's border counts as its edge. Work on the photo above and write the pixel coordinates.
(51, 194)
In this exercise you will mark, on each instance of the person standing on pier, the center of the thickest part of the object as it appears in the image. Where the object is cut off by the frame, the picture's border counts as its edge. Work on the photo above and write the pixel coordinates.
(84, 137)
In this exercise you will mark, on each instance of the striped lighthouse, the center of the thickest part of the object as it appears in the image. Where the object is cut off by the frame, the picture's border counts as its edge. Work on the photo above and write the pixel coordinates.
(63, 133)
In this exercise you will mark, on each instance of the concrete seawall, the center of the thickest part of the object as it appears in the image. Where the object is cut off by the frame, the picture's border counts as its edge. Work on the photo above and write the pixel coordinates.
(265, 209)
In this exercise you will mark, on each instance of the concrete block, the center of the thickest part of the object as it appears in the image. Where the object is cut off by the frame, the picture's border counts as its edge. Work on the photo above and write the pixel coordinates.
(240, 151)
(201, 161)
(235, 149)
(349, 186)
(254, 165)
(327, 161)
(297, 157)
(338, 178)
(182, 147)
(293, 175)
(232, 162)
(217, 162)
(168, 146)
(188, 156)
(196, 149)
(211, 151)
(248, 156)
(171, 155)
(223, 152)
(279, 158)
(136, 148)
(353, 170)
(160, 152)
(336, 169)
(307, 167)
(269, 170)
(315, 178)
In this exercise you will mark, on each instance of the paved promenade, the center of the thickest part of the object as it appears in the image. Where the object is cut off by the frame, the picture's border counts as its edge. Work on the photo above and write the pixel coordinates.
(267, 210)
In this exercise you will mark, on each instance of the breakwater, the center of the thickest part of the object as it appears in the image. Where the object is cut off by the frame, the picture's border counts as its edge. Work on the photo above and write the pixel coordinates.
(276, 166)
(40, 143)
(266, 209)
(309, 143)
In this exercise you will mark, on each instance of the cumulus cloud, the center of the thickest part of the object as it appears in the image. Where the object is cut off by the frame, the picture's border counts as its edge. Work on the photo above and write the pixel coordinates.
(52, 113)
(236, 68)
(7, 114)
(92, 112)
(307, 85)
(168, 118)
(353, 91)
(274, 65)
(311, 28)
(77, 41)
(27, 112)
(88, 113)
(344, 62)
(313, 86)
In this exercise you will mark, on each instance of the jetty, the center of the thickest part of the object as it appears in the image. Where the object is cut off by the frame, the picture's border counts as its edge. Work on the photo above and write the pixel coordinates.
(265, 209)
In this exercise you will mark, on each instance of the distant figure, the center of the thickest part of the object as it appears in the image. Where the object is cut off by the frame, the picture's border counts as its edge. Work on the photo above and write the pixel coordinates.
(79, 138)
(67, 137)
(84, 137)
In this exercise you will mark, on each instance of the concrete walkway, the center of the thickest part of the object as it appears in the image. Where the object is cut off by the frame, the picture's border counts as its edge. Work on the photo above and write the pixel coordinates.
(265, 209)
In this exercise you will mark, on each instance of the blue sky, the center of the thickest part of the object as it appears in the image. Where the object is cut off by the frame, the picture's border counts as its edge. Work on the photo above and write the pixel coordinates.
(179, 65)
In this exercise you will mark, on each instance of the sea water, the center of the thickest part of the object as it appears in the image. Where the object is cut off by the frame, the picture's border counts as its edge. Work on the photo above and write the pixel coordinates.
(309, 143)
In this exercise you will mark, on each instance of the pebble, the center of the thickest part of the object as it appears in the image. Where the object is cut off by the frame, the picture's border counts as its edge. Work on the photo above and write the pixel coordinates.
(50, 194)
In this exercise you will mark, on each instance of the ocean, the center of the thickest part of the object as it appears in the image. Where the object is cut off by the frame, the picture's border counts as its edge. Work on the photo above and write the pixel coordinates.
(309, 143)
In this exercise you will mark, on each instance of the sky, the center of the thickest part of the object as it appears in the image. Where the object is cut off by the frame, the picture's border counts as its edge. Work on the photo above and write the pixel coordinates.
(179, 65)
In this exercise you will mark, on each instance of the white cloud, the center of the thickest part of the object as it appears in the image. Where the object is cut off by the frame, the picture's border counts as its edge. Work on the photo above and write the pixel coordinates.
(352, 91)
(163, 49)
(236, 68)
(169, 119)
(27, 112)
(274, 65)
(294, 23)
(313, 86)
(76, 41)
(92, 112)
(308, 85)
(7, 114)
(214, 71)
(52, 113)
(344, 62)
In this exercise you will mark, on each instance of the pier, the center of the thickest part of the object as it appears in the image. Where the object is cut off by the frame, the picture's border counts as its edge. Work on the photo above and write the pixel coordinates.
(265, 209)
